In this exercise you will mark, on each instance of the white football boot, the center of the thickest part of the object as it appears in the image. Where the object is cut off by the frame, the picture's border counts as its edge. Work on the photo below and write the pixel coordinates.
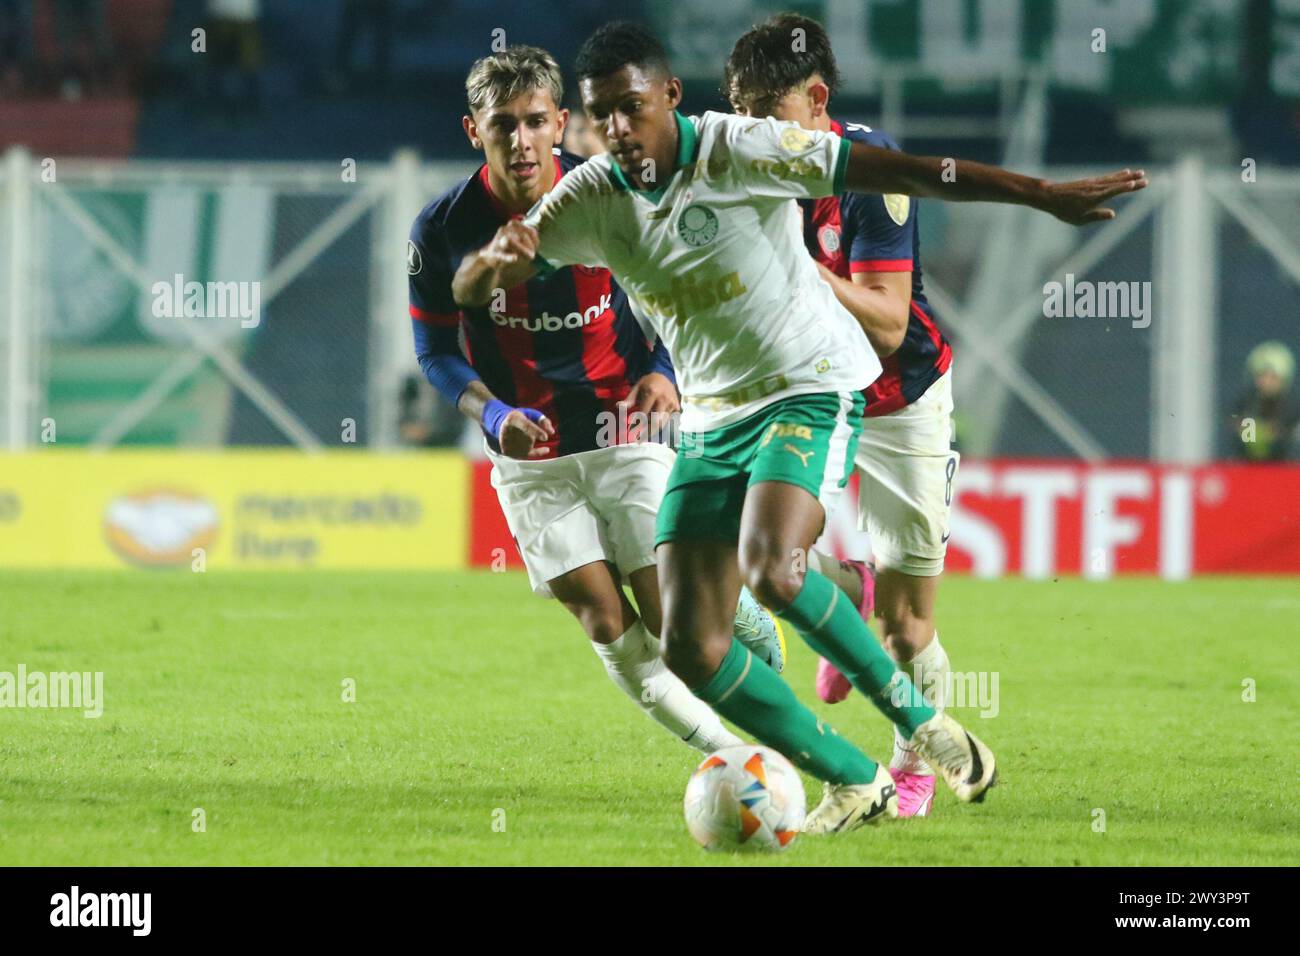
(959, 756)
(847, 806)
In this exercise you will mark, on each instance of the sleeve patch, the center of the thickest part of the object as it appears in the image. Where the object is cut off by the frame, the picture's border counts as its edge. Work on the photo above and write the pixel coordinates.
(898, 206)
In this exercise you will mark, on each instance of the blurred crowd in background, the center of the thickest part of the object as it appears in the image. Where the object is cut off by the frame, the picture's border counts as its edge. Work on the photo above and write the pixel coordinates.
(390, 72)
(75, 48)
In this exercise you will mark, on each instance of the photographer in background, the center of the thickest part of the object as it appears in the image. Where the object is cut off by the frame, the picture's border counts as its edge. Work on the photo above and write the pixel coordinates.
(1264, 417)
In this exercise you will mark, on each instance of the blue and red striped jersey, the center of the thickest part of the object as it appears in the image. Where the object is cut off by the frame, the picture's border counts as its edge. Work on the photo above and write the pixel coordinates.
(566, 344)
(857, 232)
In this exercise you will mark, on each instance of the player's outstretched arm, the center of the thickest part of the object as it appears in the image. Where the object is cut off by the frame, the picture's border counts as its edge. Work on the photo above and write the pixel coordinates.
(875, 170)
(503, 263)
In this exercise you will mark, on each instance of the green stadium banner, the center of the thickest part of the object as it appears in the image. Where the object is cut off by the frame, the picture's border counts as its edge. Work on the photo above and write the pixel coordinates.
(1151, 51)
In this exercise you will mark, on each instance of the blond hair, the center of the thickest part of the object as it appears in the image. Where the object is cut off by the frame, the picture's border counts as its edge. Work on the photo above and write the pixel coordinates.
(499, 78)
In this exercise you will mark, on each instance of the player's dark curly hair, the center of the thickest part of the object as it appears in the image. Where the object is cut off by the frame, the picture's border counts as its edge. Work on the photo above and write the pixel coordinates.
(617, 44)
(773, 58)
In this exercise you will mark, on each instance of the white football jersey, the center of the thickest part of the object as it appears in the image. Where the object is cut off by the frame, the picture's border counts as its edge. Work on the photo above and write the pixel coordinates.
(715, 264)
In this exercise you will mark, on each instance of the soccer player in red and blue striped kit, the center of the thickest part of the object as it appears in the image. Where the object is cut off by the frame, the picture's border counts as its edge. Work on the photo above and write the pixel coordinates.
(566, 388)
(868, 249)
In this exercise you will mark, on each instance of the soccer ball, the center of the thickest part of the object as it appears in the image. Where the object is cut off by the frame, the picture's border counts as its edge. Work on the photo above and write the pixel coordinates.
(745, 798)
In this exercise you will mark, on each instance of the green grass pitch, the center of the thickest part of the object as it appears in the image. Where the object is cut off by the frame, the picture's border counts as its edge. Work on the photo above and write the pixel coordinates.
(225, 692)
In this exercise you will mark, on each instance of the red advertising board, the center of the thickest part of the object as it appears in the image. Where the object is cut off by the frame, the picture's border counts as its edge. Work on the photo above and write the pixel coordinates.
(490, 542)
(1044, 518)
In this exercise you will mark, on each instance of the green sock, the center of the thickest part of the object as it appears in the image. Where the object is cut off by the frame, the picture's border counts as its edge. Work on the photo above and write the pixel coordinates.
(750, 695)
(834, 629)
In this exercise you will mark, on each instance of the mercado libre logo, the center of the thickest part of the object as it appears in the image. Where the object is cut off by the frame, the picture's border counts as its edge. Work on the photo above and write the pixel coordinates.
(161, 527)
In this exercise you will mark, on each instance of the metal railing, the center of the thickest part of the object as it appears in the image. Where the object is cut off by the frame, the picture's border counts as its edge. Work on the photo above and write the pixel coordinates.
(84, 246)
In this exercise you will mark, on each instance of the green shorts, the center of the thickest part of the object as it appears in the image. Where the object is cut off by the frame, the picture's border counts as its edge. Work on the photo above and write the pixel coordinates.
(804, 440)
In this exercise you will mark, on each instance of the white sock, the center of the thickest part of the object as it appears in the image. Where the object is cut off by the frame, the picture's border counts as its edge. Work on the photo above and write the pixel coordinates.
(633, 663)
(929, 672)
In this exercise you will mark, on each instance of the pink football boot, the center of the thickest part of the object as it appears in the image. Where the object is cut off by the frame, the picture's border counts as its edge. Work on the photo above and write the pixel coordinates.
(915, 793)
(832, 686)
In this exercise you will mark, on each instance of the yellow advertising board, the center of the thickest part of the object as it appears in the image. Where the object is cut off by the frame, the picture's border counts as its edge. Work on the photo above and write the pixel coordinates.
(238, 509)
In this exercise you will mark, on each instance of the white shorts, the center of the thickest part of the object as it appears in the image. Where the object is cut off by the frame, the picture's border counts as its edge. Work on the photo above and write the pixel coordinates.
(597, 505)
(906, 468)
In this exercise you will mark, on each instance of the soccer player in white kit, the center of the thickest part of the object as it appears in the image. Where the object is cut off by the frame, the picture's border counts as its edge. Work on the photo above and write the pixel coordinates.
(695, 220)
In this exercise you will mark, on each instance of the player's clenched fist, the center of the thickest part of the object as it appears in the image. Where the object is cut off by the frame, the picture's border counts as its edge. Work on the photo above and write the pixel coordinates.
(518, 431)
(510, 253)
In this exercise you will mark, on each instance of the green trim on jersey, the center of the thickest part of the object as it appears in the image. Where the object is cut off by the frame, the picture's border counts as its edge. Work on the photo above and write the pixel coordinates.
(687, 146)
(842, 166)
(790, 441)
